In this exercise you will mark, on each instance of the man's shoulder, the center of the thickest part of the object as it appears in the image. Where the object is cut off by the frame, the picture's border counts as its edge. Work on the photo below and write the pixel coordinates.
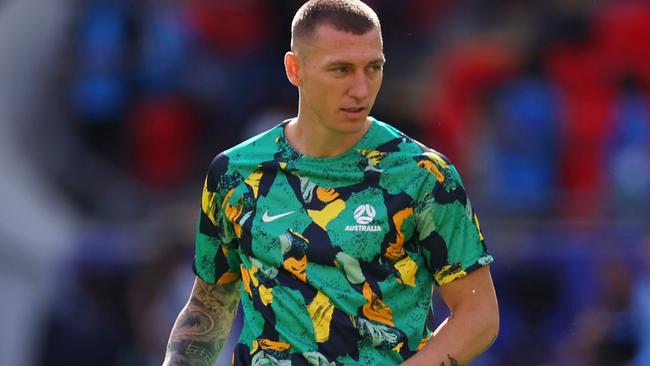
(260, 144)
(259, 147)
(247, 154)
(390, 136)
(400, 148)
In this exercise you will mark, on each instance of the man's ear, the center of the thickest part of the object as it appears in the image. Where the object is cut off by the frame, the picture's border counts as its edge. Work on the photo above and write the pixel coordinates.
(292, 68)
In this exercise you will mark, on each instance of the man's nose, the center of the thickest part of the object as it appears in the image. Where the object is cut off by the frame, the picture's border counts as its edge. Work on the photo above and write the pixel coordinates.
(360, 87)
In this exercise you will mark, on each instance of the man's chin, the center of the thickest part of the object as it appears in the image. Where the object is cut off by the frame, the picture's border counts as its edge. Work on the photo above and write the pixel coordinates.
(352, 126)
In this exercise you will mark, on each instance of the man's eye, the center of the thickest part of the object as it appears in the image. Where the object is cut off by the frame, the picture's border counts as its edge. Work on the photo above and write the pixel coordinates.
(377, 67)
(340, 70)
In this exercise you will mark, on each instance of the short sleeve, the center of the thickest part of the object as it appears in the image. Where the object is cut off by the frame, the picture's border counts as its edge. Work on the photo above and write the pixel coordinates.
(215, 259)
(448, 229)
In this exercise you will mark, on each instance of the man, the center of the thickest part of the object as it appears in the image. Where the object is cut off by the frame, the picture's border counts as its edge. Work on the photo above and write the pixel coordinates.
(333, 227)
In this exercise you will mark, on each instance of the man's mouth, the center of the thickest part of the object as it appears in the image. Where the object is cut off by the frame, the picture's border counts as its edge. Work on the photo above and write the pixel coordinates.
(354, 113)
(353, 109)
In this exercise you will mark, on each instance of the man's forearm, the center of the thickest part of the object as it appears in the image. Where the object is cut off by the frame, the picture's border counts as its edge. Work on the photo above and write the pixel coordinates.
(455, 342)
(470, 329)
(203, 326)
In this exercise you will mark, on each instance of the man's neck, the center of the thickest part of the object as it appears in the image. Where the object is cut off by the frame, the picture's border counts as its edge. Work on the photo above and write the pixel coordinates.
(314, 140)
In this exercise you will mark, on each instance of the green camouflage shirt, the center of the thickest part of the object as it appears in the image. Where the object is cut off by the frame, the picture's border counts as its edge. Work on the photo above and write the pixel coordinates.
(337, 256)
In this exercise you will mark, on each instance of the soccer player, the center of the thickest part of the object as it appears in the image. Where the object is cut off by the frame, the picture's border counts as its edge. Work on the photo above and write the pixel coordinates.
(333, 227)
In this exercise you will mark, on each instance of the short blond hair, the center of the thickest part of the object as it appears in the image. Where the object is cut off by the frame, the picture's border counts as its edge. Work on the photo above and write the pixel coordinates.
(352, 16)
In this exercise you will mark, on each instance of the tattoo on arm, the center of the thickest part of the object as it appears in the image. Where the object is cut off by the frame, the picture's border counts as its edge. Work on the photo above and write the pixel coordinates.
(452, 362)
(203, 326)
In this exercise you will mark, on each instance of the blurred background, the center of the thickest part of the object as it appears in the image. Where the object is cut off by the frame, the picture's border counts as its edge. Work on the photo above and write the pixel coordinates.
(111, 110)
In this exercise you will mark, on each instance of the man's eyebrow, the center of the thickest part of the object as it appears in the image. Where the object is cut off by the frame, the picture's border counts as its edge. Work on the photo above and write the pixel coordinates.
(376, 61)
(339, 63)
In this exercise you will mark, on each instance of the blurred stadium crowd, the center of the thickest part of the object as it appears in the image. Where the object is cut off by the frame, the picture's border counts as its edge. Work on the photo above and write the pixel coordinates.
(110, 111)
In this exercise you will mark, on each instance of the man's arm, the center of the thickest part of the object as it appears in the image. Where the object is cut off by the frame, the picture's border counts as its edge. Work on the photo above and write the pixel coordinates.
(203, 325)
(470, 329)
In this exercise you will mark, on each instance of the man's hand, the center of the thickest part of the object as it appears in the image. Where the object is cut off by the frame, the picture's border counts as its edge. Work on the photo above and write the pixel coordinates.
(470, 329)
(203, 326)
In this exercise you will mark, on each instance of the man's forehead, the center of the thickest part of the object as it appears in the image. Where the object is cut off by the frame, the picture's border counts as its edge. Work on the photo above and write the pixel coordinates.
(331, 43)
(327, 27)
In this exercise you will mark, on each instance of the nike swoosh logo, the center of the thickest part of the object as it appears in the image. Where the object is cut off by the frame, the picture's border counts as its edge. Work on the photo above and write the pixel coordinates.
(267, 218)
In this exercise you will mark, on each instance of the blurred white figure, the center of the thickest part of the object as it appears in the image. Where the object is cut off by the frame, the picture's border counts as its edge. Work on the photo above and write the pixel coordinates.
(36, 227)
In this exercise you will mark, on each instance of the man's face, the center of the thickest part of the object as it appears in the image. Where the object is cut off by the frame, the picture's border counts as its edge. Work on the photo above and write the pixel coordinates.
(340, 75)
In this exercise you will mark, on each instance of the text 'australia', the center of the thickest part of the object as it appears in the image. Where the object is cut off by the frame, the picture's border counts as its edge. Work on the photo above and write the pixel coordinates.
(373, 228)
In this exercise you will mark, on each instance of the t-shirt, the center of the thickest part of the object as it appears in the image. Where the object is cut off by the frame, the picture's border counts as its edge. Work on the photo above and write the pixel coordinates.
(337, 256)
